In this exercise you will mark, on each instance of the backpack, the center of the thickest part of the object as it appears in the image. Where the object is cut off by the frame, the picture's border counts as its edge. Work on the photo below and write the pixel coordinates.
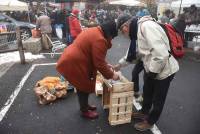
(176, 40)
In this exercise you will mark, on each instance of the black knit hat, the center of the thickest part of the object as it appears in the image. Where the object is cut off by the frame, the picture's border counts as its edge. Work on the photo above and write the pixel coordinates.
(109, 28)
(122, 19)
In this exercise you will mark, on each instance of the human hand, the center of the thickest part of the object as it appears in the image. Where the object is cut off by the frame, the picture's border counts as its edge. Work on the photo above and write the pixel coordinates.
(115, 76)
(117, 67)
(110, 66)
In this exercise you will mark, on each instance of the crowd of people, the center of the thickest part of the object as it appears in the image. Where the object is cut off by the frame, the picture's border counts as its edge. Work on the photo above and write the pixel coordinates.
(70, 23)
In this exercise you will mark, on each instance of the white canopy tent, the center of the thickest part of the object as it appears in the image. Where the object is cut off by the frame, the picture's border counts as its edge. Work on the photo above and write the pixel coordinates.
(127, 3)
(13, 5)
(185, 3)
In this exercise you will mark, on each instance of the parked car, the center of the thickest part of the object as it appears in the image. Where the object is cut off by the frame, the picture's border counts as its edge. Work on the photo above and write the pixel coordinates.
(8, 25)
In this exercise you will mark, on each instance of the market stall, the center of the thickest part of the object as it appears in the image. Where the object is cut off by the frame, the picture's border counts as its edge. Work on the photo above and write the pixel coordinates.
(128, 3)
(13, 5)
(185, 3)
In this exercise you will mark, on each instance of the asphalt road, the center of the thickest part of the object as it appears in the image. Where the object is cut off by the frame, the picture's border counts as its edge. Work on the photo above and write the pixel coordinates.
(26, 116)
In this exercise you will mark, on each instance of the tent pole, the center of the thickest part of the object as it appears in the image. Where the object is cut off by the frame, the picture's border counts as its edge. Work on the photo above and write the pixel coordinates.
(180, 8)
(45, 7)
(29, 12)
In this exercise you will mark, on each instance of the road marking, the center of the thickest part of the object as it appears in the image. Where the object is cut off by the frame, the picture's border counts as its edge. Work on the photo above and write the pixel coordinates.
(12, 97)
(49, 53)
(155, 129)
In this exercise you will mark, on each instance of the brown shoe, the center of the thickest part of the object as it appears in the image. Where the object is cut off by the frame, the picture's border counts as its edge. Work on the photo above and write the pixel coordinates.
(143, 126)
(139, 115)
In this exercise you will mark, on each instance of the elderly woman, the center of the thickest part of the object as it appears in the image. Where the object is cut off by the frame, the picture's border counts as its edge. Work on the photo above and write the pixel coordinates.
(81, 60)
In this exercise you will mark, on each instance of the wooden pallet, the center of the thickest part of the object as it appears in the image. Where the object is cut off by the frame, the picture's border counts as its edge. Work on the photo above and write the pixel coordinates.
(118, 97)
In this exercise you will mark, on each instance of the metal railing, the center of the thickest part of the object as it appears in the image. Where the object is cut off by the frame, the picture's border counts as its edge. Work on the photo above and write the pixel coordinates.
(8, 38)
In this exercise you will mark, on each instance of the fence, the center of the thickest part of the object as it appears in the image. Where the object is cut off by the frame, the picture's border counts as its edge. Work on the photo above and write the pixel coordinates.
(11, 40)
(8, 40)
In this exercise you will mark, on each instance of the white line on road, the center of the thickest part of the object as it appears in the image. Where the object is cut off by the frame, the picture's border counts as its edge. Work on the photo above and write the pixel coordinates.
(12, 97)
(45, 64)
(50, 53)
(154, 129)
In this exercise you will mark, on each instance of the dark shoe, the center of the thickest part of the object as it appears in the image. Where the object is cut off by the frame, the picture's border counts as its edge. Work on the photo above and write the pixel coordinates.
(92, 107)
(139, 115)
(136, 94)
(90, 114)
(143, 126)
(139, 99)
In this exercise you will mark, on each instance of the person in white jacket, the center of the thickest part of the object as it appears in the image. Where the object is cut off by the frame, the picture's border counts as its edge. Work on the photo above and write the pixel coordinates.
(159, 68)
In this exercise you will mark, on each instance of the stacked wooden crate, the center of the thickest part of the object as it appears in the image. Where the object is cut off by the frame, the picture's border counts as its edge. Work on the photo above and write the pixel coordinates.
(118, 97)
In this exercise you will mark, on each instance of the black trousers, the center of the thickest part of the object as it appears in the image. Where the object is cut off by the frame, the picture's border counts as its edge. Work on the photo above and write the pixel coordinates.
(83, 100)
(135, 74)
(154, 95)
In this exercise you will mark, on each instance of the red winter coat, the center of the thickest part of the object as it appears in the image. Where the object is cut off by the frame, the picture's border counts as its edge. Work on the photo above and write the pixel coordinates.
(81, 60)
(74, 26)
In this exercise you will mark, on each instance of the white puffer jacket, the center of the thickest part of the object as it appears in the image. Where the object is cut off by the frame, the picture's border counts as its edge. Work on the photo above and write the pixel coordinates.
(153, 46)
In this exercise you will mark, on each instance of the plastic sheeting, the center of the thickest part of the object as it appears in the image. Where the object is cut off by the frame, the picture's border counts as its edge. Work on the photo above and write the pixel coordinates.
(127, 3)
(185, 3)
(13, 5)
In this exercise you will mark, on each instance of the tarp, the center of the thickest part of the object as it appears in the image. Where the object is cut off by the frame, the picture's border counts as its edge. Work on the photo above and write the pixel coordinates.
(127, 3)
(13, 5)
(185, 3)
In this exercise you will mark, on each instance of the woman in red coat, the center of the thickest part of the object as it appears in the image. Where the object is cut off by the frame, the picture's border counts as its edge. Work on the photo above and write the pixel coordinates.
(81, 60)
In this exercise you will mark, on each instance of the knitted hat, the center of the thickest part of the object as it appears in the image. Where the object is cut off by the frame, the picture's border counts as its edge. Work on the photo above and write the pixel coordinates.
(109, 28)
(75, 12)
(122, 19)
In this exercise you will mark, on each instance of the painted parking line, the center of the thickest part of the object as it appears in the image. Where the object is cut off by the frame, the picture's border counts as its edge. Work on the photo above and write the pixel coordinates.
(154, 129)
(50, 53)
(12, 97)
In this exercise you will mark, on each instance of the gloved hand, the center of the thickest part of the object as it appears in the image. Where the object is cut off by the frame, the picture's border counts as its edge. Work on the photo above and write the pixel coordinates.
(151, 75)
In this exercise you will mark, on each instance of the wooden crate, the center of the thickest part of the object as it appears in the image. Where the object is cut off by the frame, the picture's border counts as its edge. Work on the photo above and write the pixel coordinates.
(118, 97)
(120, 109)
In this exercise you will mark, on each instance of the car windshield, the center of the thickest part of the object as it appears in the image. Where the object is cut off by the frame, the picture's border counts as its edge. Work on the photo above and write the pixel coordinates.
(5, 18)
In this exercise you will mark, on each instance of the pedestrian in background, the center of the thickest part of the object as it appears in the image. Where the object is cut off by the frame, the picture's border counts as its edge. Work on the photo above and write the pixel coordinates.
(44, 23)
(74, 24)
(165, 18)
